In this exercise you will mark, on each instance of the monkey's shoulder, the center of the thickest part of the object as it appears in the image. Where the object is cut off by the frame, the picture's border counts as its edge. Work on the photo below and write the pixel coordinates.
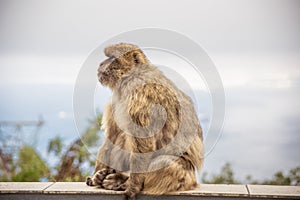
(145, 78)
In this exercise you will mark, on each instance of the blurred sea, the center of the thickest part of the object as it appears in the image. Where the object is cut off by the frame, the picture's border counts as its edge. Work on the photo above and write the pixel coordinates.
(252, 153)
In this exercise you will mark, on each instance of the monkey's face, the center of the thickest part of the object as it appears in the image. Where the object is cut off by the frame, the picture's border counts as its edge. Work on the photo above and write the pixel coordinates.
(112, 69)
(121, 59)
(105, 71)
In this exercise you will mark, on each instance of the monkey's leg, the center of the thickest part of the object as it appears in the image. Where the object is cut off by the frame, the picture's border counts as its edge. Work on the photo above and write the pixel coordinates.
(135, 181)
(101, 170)
(169, 174)
(115, 158)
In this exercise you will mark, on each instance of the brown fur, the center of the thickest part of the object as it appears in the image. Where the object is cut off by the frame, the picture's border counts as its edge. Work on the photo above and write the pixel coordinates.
(153, 120)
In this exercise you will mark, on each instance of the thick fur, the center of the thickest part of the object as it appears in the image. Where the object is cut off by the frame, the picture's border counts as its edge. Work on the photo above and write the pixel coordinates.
(151, 129)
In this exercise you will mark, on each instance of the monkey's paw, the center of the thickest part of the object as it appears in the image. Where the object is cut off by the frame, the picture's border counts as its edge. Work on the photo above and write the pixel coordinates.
(98, 177)
(129, 195)
(116, 181)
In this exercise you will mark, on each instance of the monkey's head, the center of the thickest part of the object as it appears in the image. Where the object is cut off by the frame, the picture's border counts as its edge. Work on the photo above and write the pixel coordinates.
(121, 59)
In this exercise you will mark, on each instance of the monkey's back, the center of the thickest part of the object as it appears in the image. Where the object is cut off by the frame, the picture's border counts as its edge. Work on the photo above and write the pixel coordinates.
(170, 129)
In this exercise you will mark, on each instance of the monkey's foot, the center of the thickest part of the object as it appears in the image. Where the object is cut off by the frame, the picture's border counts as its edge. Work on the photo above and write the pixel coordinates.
(129, 195)
(116, 181)
(98, 177)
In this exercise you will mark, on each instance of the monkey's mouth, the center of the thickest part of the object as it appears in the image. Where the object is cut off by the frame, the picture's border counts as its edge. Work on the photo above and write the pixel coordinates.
(101, 76)
(105, 64)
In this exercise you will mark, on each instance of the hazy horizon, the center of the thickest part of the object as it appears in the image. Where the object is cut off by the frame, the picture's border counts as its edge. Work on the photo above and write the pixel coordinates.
(255, 46)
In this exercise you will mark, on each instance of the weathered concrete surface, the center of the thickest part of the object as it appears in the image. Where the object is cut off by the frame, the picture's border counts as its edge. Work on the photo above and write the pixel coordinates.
(79, 190)
(23, 187)
(272, 191)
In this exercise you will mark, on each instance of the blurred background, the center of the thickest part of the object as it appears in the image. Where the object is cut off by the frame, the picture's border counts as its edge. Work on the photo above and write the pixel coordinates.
(255, 46)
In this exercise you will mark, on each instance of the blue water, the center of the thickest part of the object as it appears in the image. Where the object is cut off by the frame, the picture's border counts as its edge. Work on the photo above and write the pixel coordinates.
(270, 141)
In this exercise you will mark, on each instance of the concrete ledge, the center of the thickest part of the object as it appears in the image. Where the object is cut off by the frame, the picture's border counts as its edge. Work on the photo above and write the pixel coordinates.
(79, 190)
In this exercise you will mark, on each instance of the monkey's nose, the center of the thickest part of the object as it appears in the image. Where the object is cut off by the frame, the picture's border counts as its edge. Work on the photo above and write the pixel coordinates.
(101, 65)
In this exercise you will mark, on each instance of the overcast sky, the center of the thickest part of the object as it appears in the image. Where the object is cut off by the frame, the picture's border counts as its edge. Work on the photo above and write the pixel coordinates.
(65, 31)
(68, 27)
(254, 44)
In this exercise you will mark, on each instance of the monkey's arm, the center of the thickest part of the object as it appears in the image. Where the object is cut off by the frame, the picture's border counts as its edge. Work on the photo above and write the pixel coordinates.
(109, 158)
(110, 128)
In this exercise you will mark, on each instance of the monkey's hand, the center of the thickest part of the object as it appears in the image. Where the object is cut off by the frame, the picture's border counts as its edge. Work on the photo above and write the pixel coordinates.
(116, 181)
(98, 177)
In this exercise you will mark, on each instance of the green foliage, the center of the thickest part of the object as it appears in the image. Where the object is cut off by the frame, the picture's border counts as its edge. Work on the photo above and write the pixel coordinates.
(294, 175)
(69, 168)
(226, 176)
(27, 165)
(7, 165)
(90, 136)
(30, 166)
(279, 178)
(55, 145)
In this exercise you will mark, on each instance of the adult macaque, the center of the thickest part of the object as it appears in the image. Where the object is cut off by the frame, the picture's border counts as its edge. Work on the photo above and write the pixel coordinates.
(150, 119)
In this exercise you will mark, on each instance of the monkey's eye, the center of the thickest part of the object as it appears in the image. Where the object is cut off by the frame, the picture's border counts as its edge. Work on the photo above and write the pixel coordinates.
(135, 57)
(111, 58)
